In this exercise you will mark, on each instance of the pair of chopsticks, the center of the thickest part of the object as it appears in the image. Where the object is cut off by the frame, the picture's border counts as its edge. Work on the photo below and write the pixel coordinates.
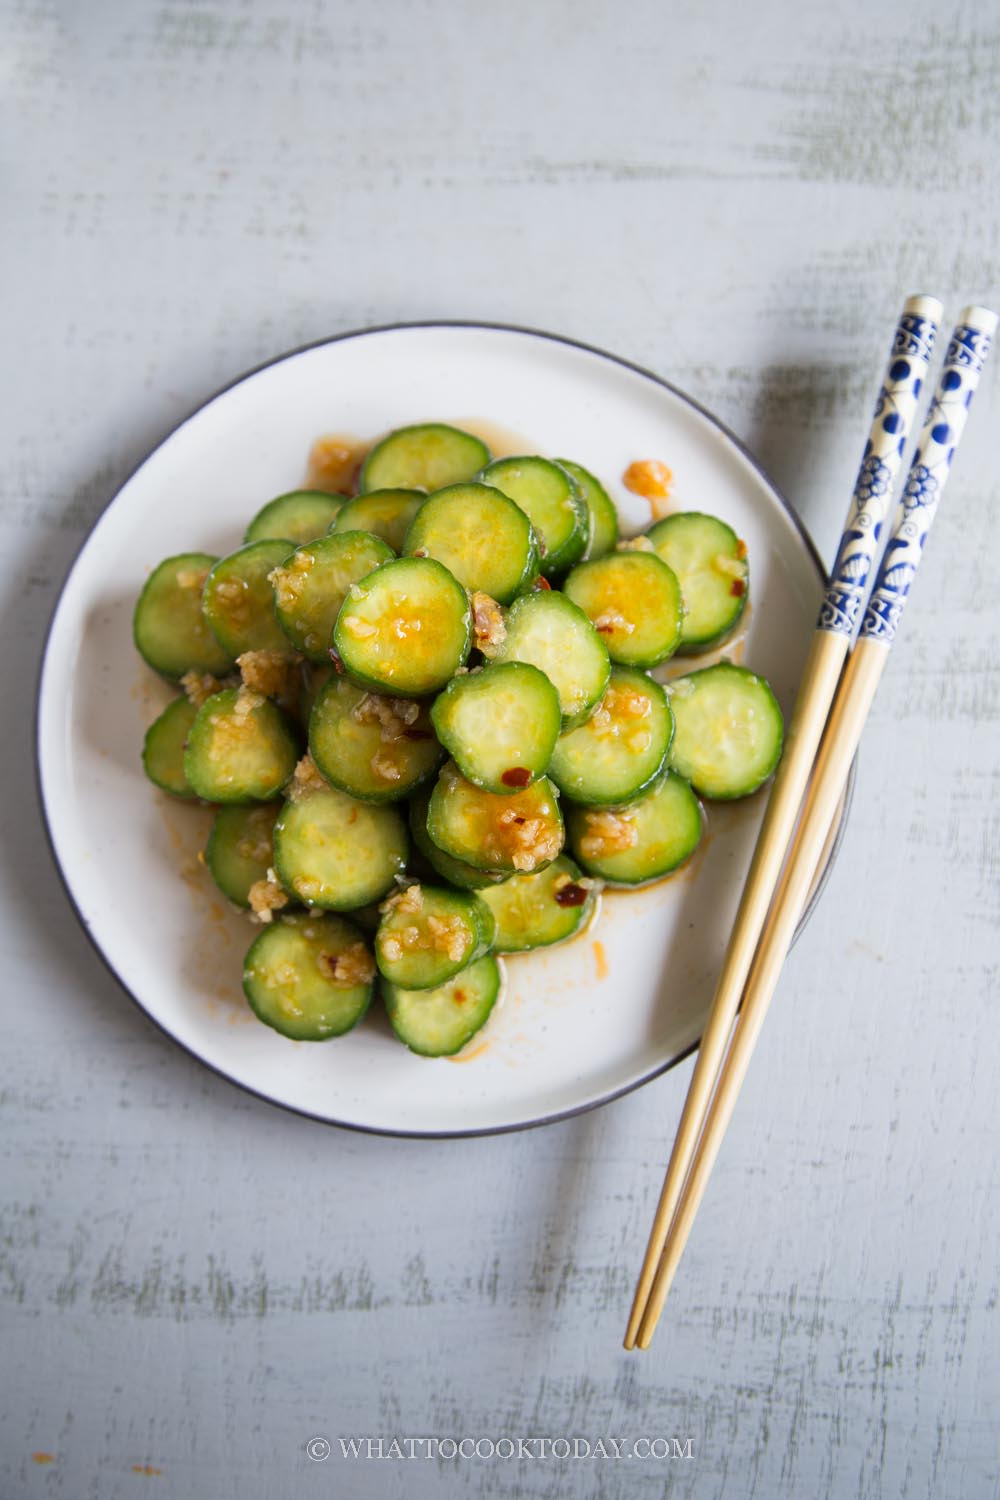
(830, 713)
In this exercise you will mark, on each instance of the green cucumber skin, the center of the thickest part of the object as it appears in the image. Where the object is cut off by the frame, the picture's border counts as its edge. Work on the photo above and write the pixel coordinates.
(548, 602)
(694, 644)
(250, 565)
(350, 654)
(465, 904)
(292, 516)
(380, 823)
(554, 559)
(466, 456)
(582, 785)
(457, 873)
(604, 527)
(704, 785)
(543, 722)
(274, 725)
(358, 997)
(563, 923)
(234, 872)
(614, 869)
(156, 640)
(542, 792)
(498, 513)
(356, 553)
(358, 514)
(336, 766)
(621, 651)
(404, 1016)
(163, 749)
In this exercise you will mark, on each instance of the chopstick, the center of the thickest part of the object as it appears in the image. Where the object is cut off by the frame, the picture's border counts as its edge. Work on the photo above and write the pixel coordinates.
(967, 351)
(881, 462)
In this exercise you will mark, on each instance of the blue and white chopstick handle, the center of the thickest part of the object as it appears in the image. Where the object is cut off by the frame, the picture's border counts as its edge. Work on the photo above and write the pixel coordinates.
(970, 344)
(895, 410)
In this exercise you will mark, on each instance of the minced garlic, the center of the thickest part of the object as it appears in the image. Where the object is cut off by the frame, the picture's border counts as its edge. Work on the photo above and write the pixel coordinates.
(607, 833)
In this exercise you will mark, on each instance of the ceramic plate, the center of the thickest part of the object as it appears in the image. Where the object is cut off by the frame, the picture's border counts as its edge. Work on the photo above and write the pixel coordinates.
(577, 1025)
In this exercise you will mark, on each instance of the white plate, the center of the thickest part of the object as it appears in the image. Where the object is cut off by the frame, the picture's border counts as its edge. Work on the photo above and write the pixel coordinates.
(577, 1025)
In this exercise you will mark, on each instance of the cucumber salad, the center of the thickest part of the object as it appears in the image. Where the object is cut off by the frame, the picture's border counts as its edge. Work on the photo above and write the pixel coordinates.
(427, 718)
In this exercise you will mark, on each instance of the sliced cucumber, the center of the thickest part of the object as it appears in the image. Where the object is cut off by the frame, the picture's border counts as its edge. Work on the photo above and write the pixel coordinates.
(423, 457)
(710, 563)
(238, 602)
(374, 747)
(314, 678)
(634, 602)
(311, 586)
(428, 933)
(300, 516)
(465, 876)
(549, 632)
(309, 976)
(551, 499)
(620, 750)
(480, 536)
(603, 513)
(240, 848)
(169, 627)
(240, 748)
(163, 748)
(535, 911)
(521, 831)
(405, 629)
(385, 513)
(500, 725)
(640, 842)
(439, 1022)
(336, 852)
(729, 730)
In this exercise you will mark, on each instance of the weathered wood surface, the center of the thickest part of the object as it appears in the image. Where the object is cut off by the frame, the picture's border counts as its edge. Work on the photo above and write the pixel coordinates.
(738, 196)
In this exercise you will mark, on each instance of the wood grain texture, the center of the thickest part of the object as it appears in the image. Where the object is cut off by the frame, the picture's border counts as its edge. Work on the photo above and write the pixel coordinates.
(194, 1284)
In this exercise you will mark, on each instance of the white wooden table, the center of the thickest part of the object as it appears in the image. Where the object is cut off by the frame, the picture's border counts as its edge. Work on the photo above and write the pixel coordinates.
(193, 1285)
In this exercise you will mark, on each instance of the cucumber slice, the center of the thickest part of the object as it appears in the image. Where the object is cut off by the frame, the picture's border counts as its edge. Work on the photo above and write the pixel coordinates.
(634, 602)
(240, 848)
(374, 747)
(163, 748)
(314, 678)
(406, 629)
(333, 851)
(385, 513)
(424, 457)
(240, 748)
(427, 934)
(169, 628)
(500, 724)
(480, 536)
(300, 516)
(535, 911)
(549, 632)
(620, 750)
(311, 586)
(238, 602)
(309, 976)
(710, 563)
(551, 499)
(439, 1022)
(466, 877)
(603, 512)
(640, 842)
(520, 831)
(729, 730)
